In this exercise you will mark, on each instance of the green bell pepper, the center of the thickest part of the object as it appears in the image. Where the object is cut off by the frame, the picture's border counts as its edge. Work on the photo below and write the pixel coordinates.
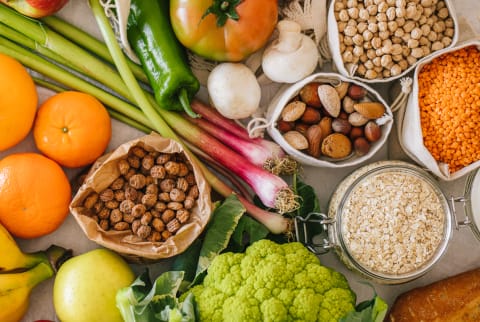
(163, 58)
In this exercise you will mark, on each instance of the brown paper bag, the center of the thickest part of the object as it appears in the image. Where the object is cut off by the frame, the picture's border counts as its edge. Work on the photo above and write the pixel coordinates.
(105, 171)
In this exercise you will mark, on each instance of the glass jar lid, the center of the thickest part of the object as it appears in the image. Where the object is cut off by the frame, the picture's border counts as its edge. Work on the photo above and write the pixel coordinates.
(472, 202)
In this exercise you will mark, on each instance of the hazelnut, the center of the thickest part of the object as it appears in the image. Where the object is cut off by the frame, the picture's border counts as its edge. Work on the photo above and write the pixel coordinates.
(311, 115)
(340, 125)
(356, 92)
(309, 94)
(373, 132)
(361, 146)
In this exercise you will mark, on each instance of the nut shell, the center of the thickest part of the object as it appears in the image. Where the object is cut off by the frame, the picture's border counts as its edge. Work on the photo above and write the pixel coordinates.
(371, 110)
(336, 146)
(330, 99)
(296, 140)
(293, 111)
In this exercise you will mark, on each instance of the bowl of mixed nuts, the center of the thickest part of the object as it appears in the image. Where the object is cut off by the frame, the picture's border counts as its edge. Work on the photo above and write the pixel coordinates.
(382, 40)
(146, 200)
(328, 120)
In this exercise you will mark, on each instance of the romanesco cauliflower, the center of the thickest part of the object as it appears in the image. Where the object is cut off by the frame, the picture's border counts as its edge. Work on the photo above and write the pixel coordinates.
(272, 282)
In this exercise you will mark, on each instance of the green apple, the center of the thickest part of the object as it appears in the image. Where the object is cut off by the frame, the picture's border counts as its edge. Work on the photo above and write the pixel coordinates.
(86, 285)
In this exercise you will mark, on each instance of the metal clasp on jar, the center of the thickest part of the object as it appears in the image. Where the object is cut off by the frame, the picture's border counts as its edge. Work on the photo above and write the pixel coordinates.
(302, 225)
(467, 221)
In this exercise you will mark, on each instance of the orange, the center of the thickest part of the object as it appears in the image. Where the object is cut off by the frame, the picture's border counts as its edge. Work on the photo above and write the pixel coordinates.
(18, 102)
(72, 128)
(34, 195)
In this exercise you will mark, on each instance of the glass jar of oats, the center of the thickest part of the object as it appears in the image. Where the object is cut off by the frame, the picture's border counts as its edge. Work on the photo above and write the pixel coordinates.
(472, 202)
(391, 221)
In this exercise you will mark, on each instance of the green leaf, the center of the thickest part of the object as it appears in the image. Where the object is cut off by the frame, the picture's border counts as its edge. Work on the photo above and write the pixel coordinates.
(223, 223)
(373, 310)
(247, 232)
(188, 262)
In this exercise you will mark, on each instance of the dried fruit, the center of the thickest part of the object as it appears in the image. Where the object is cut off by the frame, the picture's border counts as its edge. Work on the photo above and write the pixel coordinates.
(296, 140)
(336, 146)
(330, 99)
(371, 110)
(293, 111)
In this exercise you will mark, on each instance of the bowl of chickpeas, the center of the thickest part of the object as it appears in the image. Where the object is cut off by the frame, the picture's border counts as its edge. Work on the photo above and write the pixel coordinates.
(146, 200)
(382, 40)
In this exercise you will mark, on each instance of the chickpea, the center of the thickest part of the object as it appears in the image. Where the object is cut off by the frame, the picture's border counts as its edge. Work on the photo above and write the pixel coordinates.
(363, 14)
(357, 52)
(442, 13)
(343, 15)
(395, 70)
(392, 26)
(409, 25)
(400, 12)
(350, 31)
(403, 64)
(384, 35)
(376, 42)
(371, 74)
(361, 27)
(372, 9)
(353, 13)
(367, 35)
(412, 43)
(437, 45)
(416, 33)
(357, 40)
(417, 52)
(385, 60)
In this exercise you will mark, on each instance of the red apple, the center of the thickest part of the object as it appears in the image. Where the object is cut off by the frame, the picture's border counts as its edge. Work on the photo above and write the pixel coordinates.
(36, 8)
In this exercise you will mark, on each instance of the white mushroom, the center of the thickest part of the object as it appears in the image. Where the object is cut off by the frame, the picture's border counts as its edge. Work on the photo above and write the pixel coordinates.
(234, 90)
(292, 56)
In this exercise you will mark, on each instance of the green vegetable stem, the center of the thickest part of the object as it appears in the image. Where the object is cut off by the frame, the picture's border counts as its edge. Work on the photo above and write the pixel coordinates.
(163, 58)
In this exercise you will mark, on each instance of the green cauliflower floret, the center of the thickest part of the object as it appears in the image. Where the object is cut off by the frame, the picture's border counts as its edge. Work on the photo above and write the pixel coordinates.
(272, 282)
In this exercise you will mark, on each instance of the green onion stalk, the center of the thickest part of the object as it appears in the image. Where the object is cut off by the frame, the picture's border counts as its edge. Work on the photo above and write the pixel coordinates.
(51, 54)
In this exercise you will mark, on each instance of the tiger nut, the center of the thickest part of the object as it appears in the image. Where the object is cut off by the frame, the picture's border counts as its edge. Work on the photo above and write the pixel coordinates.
(293, 111)
(336, 146)
(309, 94)
(296, 140)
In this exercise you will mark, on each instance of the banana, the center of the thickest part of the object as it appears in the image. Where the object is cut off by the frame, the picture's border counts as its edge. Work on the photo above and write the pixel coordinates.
(12, 258)
(15, 289)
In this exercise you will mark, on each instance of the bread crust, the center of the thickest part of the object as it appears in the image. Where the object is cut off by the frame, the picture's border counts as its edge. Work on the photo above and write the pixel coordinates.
(456, 298)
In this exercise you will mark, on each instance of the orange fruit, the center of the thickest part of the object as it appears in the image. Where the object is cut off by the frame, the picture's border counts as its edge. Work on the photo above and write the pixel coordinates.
(18, 102)
(34, 195)
(72, 128)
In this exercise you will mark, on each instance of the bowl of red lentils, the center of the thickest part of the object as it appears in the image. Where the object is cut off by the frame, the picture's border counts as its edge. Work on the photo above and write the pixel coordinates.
(442, 119)
(146, 200)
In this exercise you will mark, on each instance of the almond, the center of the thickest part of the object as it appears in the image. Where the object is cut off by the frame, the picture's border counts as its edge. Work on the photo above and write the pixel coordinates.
(314, 137)
(330, 99)
(284, 126)
(326, 125)
(342, 89)
(293, 111)
(371, 110)
(296, 140)
(309, 94)
(336, 146)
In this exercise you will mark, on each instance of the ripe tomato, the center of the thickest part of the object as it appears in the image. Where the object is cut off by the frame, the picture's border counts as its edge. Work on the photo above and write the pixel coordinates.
(223, 30)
